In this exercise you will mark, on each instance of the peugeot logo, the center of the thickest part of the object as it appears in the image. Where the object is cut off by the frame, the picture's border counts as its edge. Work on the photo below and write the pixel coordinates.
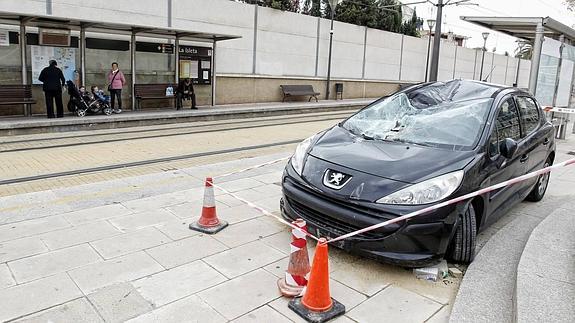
(334, 179)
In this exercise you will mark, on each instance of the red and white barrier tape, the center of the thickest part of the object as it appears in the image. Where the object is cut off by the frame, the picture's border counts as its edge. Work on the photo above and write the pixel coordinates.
(253, 167)
(264, 211)
(455, 200)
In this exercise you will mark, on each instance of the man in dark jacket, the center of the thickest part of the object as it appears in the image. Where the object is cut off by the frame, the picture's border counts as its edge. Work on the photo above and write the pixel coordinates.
(53, 81)
(185, 91)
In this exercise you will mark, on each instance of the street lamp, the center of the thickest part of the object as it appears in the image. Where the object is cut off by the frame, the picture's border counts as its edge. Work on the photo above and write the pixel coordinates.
(332, 4)
(430, 23)
(485, 35)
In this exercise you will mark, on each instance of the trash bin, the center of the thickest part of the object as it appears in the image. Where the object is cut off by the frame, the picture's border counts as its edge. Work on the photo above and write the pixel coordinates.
(339, 90)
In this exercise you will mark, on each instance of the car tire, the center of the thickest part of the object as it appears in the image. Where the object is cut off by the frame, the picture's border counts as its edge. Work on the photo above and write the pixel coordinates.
(462, 247)
(538, 191)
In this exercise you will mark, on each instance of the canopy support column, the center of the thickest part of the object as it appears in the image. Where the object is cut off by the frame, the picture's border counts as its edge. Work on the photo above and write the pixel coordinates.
(83, 55)
(177, 56)
(536, 57)
(22, 41)
(214, 73)
(133, 67)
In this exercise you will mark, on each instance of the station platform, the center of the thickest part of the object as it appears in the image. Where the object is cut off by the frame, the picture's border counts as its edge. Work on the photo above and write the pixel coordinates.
(40, 124)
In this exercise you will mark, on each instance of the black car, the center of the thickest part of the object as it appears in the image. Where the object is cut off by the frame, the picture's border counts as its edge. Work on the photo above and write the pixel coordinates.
(423, 145)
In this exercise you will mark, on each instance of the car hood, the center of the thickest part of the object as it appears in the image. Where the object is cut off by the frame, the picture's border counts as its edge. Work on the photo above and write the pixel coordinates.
(407, 163)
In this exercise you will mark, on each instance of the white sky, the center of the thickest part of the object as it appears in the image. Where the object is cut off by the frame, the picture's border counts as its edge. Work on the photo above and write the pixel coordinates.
(510, 8)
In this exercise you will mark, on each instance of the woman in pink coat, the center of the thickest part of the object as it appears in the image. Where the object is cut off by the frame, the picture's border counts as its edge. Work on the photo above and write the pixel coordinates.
(116, 81)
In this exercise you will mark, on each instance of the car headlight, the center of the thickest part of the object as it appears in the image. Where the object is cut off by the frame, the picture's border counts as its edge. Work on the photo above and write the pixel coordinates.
(298, 158)
(429, 191)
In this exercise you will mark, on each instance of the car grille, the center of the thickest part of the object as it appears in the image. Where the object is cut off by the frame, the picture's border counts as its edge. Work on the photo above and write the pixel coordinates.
(336, 226)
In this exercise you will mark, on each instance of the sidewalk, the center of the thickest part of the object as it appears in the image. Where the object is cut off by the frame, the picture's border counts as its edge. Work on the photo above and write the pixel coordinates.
(36, 124)
(121, 250)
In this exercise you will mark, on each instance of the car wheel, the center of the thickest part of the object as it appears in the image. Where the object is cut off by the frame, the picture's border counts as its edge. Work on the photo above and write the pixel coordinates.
(540, 188)
(462, 247)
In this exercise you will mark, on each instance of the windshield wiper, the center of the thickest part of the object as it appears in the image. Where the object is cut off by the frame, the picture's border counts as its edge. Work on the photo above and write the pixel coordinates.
(412, 142)
(366, 137)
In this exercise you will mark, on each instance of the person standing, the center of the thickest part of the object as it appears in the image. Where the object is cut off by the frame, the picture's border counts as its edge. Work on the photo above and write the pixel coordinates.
(116, 81)
(53, 81)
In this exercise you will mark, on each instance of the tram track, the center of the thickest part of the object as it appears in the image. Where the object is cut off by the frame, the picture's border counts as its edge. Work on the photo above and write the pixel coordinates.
(215, 128)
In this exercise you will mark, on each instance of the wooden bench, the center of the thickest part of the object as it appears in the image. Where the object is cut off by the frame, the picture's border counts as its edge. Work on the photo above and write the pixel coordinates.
(17, 94)
(152, 91)
(299, 90)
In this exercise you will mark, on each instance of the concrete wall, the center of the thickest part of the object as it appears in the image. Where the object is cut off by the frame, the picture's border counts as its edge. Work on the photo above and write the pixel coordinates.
(275, 48)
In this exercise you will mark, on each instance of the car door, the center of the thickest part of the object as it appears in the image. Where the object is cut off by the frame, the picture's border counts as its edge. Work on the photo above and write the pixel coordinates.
(500, 169)
(535, 140)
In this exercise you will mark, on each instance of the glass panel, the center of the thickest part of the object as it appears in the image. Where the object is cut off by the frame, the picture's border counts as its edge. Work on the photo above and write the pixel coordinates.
(508, 121)
(529, 113)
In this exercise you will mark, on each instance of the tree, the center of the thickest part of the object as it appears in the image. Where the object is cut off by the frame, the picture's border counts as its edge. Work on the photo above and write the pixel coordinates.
(409, 28)
(389, 17)
(358, 12)
(523, 51)
(570, 4)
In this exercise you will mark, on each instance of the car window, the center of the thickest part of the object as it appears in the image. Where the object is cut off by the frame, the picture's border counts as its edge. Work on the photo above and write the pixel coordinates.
(508, 121)
(493, 144)
(529, 113)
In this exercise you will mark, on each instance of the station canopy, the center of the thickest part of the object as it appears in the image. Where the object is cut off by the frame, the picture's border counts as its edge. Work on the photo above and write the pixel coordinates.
(523, 27)
(111, 28)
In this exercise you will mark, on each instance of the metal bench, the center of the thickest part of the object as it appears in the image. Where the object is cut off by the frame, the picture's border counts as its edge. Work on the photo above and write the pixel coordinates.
(299, 90)
(152, 91)
(17, 94)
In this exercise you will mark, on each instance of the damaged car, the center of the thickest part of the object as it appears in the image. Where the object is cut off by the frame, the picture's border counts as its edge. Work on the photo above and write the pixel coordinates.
(421, 146)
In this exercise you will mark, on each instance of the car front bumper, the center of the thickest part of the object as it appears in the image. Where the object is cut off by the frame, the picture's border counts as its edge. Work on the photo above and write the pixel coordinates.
(413, 243)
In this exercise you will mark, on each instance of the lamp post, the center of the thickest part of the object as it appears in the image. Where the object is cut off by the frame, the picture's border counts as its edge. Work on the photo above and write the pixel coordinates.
(485, 35)
(332, 4)
(430, 23)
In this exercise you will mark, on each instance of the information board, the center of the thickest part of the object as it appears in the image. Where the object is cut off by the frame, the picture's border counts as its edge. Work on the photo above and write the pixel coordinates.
(195, 63)
(64, 56)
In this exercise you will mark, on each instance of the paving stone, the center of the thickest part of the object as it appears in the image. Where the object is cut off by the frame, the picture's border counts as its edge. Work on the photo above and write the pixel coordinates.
(278, 268)
(242, 294)
(79, 310)
(141, 220)
(97, 213)
(247, 231)
(130, 242)
(117, 270)
(31, 227)
(192, 209)
(269, 178)
(263, 314)
(190, 309)
(6, 279)
(186, 250)
(25, 299)
(179, 282)
(228, 200)
(395, 304)
(260, 193)
(158, 201)
(243, 259)
(238, 214)
(80, 234)
(552, 302)
(280, 241)
(30, 206)
(240, 184)
(25, 247)
(120, 302)
(271, 204)
(50, 263)
(364, 276)
(178, 230)
(442, 316)
(345, 295)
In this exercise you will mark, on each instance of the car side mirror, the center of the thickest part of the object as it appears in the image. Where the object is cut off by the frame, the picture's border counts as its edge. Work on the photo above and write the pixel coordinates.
(508, 147)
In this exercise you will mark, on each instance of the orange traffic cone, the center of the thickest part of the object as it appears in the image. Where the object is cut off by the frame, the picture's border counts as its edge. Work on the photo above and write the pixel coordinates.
(298, 268)
(209, 222)
(317, 305)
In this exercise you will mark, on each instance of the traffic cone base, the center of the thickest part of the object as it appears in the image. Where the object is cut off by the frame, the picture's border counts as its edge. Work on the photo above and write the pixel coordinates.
(208, 230)
(336, 309)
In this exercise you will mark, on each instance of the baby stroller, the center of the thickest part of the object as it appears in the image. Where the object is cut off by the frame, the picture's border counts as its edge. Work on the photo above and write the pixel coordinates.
(83, 103)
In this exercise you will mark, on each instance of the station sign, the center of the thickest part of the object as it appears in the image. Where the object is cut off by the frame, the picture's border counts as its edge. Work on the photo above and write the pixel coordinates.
(195, 63)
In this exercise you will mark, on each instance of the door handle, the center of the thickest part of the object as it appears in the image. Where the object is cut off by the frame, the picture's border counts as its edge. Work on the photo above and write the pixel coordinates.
(524, 158)
(545, 141)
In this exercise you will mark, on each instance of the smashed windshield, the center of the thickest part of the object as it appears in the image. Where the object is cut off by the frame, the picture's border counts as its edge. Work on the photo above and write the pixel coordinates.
(438, 115)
